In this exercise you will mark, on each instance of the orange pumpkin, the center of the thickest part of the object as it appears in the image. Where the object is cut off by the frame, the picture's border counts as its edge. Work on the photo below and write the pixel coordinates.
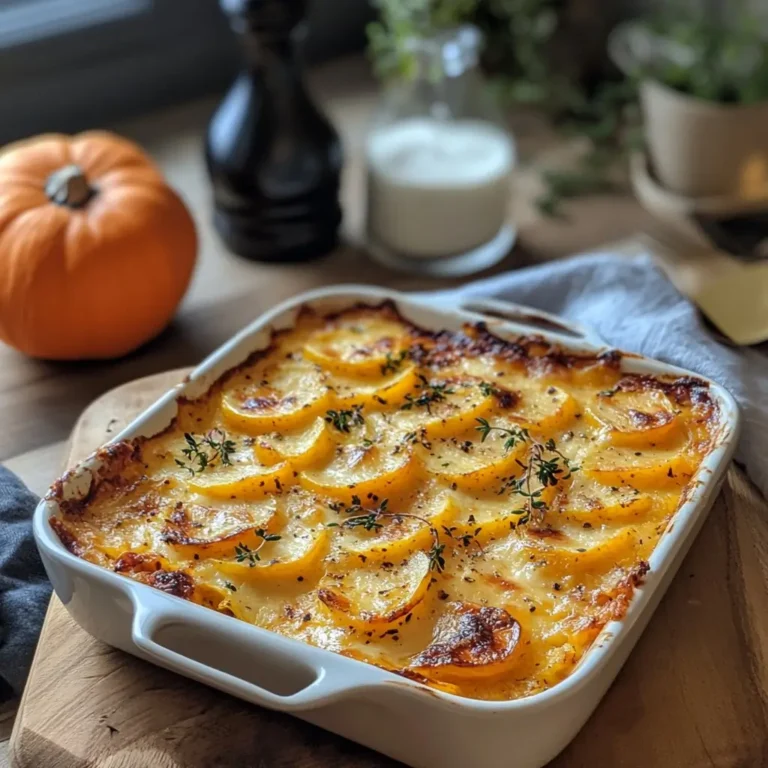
(96, 250)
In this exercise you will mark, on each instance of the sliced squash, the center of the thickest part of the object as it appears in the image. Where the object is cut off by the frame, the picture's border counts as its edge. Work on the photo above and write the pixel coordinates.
(469, 464)
(587, 500)
(365, 472)
(444, 407)
(582, 555)
(398, 536)
(289, 396)
(543, 407)
(365, 346)
(242, 481)
(642, 418)
(470, 641)
(657, 469)
(201, 530)
(296, 555)
(302, 448)
(371, 596)
(387, 392)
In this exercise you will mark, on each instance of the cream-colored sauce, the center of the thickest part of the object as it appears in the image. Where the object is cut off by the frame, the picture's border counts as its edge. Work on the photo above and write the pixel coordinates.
(377, 594)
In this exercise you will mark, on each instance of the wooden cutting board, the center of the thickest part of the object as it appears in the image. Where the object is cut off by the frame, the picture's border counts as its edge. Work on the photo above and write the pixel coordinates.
(694, 693)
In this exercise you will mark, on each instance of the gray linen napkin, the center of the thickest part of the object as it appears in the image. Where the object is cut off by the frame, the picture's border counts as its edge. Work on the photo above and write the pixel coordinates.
(24, 587)
(633, 307)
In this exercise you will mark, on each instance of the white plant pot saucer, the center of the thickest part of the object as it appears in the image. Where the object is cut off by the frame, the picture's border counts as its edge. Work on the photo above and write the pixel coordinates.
(695, 219)
(728, 284)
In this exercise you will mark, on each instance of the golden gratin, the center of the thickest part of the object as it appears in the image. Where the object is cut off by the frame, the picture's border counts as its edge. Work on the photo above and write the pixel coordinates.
(460, 509)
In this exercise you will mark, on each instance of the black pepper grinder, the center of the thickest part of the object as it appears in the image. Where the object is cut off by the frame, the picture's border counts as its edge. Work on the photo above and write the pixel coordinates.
(273, 158)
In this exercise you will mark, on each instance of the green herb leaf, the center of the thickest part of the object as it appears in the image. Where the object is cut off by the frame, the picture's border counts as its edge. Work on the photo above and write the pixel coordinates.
(208, 450)
(345, 420)
(433, 393)
(394, 362)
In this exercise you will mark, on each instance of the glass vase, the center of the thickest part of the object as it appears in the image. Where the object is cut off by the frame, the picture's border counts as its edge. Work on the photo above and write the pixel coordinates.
(439, 162)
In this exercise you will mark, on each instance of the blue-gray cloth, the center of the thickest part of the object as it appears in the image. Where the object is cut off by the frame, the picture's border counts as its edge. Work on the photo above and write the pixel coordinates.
(633, 307)
(24, 587)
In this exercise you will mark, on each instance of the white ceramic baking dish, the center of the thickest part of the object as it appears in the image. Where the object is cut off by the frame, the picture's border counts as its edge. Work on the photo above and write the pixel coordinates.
(396, 716)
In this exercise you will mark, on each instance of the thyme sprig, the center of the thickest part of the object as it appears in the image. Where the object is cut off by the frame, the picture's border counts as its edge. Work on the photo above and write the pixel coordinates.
(488, 389)
(244, 554)
(515, 435)
(546, 464)
(466, 539)
(393, 363)
(432, 393)
(212, 448)
(369, 519)
(345, 420)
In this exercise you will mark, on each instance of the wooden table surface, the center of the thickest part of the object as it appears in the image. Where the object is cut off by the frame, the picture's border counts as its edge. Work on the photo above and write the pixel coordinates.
(40, 401)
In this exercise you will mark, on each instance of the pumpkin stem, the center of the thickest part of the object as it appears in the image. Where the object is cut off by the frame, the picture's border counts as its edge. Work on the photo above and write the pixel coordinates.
(68, 186)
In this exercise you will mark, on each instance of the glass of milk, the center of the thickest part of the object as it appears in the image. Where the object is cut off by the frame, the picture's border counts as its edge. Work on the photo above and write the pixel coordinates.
(439, 161)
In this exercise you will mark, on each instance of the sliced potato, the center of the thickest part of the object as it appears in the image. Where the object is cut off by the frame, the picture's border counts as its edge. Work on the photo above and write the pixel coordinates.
(470, 464)
(358, 347)
(482, 520)
(212, 596)
(492, 517)
(263, 602)
(642, 418)
(136, 561)
(242, 482)
(206, 531)
(363, 472)
(397, 537)
(443, 407)
(297, 554)
(470, 641)
(543, 407)
(657, 469)
(587, 500)
(387, 392)
(370, 596)
(291, 395)
(302, 448)
(583, 554)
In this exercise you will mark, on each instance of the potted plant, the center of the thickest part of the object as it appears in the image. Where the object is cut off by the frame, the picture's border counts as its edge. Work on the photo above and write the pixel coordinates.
(704, 96)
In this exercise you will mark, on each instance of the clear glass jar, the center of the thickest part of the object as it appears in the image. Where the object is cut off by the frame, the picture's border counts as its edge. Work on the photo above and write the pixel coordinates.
(439, 162)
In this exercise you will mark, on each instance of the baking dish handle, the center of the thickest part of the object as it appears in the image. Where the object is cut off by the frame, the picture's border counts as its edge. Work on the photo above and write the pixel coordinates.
(494, 311)
(291, 682)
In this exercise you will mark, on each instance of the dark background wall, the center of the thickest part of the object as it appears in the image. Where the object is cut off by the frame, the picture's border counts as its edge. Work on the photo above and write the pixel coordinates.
(70, 64)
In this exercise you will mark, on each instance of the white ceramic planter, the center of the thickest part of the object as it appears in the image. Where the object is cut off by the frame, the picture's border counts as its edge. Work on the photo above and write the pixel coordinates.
(700, 148)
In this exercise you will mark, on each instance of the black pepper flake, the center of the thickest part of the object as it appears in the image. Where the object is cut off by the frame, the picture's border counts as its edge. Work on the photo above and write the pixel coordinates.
(442, 595)
(556, 586)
